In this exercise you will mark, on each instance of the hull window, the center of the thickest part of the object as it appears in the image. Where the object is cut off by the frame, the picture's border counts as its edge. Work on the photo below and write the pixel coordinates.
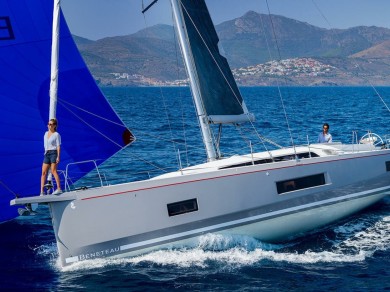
(182, 207)
(300, 183)
(387, 165)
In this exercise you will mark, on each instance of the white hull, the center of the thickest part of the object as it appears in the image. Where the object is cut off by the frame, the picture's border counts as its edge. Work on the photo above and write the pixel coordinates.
(133, 218)
(295, 224)
(287, 226)
(272, 196)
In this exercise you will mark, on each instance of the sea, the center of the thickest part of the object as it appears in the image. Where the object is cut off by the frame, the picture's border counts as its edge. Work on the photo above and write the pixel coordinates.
(350, 255)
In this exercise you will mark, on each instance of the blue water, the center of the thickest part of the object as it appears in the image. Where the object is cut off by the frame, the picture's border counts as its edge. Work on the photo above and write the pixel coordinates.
(352, 255)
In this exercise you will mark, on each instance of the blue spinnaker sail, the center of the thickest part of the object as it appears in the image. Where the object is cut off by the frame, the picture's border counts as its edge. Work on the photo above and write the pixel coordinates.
(89, 127)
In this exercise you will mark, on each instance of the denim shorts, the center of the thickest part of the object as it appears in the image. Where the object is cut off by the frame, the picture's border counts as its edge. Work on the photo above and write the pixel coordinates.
(50, 157)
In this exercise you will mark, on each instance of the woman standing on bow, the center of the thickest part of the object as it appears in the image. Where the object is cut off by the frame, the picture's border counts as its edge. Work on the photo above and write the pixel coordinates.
(52, 142)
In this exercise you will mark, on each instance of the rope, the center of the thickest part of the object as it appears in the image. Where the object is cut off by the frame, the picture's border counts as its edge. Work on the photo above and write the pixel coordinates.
(89, 125)
(8, 189)
(92, 114)
(62, 102)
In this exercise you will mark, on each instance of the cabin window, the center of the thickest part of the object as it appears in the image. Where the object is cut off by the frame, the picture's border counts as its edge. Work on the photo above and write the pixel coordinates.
(300, 183)
(182, 207)
(387, 165)
(292, 157)
(276, 159)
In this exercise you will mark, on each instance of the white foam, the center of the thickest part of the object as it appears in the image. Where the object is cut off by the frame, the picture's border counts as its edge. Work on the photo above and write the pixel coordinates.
(234, 257)
(46, 249)
(231, 257)
(219, 242)
(371, 237)
(355, 241)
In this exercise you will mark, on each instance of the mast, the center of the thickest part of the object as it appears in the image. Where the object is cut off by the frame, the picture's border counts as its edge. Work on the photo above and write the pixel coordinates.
(55, 49)
(194, 84)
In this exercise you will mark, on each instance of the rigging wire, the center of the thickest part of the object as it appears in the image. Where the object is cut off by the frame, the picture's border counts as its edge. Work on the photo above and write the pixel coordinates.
(143, 9)
(355, 63)
(8, 189)
(180, 92)
(212, 56)
(201, 101)
(121, 147)
(171, 140)
(243, 106)
(89, 125)
(278, 86)
(68, 105)
(262, 139)
(91, 113)
(62, 103)
(169, 124)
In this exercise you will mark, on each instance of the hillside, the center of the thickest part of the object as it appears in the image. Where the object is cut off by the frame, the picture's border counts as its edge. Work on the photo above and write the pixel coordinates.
(151, 56)
(375, 52)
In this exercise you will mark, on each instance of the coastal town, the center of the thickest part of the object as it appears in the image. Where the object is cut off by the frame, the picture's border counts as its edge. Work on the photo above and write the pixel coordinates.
(295, 67)
(288, 67)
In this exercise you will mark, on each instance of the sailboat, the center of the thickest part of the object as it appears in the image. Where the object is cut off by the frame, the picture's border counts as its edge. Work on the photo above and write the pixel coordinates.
(25, 78)
(273, 195)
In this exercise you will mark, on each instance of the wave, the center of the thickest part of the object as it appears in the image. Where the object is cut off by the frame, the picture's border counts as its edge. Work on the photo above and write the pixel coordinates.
(352, 241)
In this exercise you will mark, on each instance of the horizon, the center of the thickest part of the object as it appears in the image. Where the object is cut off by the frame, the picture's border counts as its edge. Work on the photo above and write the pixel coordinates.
(124, 17)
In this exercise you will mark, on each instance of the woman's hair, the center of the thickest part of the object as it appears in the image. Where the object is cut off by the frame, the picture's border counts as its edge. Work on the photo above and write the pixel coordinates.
(55, 122)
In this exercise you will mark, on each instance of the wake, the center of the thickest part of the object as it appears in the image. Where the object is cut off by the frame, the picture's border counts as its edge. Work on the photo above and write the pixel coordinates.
(353, 241)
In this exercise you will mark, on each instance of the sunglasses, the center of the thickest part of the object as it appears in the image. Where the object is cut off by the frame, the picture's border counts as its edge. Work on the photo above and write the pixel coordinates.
(50, 124)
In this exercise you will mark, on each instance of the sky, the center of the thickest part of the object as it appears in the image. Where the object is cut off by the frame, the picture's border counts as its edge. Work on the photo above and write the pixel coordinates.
(96, 19)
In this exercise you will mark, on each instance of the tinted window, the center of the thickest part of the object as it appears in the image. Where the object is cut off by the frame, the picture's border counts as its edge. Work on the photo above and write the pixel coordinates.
(387, 165)
(182, 207)
(300, 183)
(275, 159)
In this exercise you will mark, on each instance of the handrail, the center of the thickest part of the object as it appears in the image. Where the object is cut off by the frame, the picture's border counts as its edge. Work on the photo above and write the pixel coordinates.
(81, 162)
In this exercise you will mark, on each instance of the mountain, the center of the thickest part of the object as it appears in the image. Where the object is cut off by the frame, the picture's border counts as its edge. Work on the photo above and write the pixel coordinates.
(375, 52)
(293, 38)
(82, 41)
(152, 57)
(150, 52)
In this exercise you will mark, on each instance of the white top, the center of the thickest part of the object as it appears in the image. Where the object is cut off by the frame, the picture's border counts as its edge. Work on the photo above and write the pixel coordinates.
(53, 142)
(327, 138)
